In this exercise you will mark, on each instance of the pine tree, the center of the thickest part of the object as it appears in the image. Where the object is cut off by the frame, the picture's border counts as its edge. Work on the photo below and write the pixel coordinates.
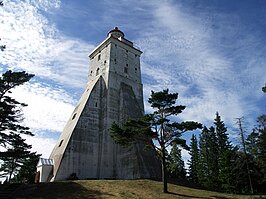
(18, 151)
(26, 173)
(176, 168)
(156, 126)
(11, 109)
(194, 160)
(225, 154)
(212, 146)
(259, 147)
(203, 169)
(208, 158)
(223, 140)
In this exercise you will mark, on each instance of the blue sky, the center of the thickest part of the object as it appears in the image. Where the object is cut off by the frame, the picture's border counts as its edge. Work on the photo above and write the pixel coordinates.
(211, 52)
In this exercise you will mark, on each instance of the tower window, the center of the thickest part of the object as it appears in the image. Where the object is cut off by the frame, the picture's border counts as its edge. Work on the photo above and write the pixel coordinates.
(97, 71)
(125, 70)
(74, 116)
(60, 143)
(115, 61)
(127, 51)
(126, 64)
(105, 61)
(99, 57)
(96, 104)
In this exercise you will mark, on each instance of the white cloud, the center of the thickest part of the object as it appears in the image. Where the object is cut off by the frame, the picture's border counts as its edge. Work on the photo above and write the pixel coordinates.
(34, 44)
(182, 53)
(42, 145)
(48, 108)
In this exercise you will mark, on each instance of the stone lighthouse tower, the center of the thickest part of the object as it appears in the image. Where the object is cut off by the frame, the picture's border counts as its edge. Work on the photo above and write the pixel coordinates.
(113, 94)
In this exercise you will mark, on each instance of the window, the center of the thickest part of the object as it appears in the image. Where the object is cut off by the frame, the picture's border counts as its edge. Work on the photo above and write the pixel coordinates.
(125, 70)
(97, 71)
(74, 116)
(127, 51)
(60, 143)
(96, 104)
(104, 61)
(115, 61)
(99, 57)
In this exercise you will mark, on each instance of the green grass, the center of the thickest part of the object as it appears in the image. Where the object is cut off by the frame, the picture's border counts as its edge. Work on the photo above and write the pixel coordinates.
(117, 189)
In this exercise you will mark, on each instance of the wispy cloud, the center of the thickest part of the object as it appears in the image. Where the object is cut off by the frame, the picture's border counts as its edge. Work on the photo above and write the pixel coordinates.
(184, 54)
(48, 108)
(34, 44)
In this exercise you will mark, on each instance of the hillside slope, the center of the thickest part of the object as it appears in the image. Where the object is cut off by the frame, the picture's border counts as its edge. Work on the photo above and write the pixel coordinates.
(116, 189)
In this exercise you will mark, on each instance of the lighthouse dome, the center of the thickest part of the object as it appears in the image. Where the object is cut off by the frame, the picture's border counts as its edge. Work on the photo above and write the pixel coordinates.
(116, 33)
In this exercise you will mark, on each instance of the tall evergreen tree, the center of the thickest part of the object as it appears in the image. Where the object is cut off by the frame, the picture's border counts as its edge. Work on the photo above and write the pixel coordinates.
(203, 169)
(16, 150)
(223, 140)
(225, 154)
(208, 158)
(17, 153)
(176, 168)
(26, 173)
(260, 147)
(212, 147)
(11, 109)
(194, 160)
(157, 126)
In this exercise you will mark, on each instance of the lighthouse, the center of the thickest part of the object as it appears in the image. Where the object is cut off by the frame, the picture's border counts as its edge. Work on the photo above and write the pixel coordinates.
(114, 93)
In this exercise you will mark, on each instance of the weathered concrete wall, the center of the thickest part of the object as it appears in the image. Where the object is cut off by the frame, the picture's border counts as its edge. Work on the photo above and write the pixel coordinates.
(113, 93)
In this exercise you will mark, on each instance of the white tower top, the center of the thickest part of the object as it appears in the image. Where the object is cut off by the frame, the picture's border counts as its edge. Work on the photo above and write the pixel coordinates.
(116, 33)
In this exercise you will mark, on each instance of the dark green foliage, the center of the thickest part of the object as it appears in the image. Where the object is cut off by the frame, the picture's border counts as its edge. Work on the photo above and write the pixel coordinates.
(10, 109)
(16, 150)
(156, 126)
(264, 89)
(26, 173)
(208, 158)
(176, 166)
(194, 160)
(256, 147)
(216, 157)
(241, 176)
(14, 157)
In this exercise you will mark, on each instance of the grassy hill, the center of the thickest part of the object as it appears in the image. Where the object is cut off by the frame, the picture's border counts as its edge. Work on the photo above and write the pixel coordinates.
(116, 189)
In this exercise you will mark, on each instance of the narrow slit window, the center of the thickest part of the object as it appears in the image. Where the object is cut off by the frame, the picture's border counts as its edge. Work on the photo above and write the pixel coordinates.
(61, 142)
(74, 116)
(96, 104)
(99, 57)
(126, 70)
(97, 71)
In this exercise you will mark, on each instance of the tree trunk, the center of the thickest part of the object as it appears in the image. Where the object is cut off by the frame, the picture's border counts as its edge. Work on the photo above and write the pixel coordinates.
(164, 172)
